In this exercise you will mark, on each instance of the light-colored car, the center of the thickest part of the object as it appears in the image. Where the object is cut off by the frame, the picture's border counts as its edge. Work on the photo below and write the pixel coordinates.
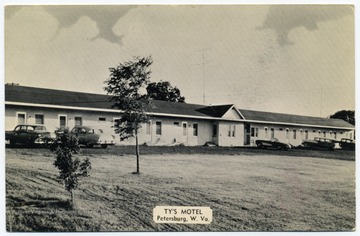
(91, 136)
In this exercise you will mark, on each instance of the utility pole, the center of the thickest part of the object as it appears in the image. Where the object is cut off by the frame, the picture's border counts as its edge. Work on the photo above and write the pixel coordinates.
(203, 70)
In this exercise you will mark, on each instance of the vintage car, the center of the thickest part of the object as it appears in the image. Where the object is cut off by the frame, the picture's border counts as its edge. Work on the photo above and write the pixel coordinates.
(347, 144)
(319, 143)
(272, 143)
(91, 136)
(28, 135)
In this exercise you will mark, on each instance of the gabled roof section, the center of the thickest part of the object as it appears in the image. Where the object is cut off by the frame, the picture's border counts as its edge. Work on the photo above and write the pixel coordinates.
(216, 110)
(270, 117)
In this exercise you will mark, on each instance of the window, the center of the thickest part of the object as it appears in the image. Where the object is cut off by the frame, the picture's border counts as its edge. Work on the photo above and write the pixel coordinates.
(335, 135)
(148, 127)
(21, 118)
(184, 125)
(294, 134)
(287, 133)
(62, 121)
(214, 130)
(116, 121)
(39, 119)
(158, 128)
(195, 129)
(78, 121)
(324, 133)
(272, 133)
(176, 123)
(301, 134)
(254, 132)
(231, 132)
(102, 119)
(306, 134)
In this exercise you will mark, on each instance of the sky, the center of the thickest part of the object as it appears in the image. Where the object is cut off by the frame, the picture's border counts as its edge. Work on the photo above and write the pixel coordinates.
(296, 59)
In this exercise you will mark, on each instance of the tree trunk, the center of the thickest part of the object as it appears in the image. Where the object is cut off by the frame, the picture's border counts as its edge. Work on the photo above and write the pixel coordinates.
(137, 152)
(72, 197)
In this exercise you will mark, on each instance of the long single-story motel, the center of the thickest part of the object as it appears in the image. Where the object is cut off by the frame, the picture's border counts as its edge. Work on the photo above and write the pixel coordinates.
(172, 123)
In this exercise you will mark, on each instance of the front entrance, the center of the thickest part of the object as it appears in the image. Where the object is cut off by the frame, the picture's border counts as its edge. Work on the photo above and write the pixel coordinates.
(247, 133)
(62, 121)
(184, 133)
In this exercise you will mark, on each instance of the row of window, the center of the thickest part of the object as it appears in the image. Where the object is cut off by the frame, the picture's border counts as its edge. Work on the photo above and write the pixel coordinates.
(158, 128)
(40, 119)
(292, 133)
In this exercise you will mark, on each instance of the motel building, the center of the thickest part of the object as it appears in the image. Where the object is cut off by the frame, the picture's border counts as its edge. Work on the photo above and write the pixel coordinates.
(171, 123)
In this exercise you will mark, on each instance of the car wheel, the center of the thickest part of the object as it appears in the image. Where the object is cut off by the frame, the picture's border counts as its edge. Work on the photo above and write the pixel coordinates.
(89, 145)
(104, 145)
(11, 143)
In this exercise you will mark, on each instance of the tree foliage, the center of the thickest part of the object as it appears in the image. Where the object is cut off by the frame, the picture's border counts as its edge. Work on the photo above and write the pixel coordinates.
(346, 115)
(126, 83)
(70, 169)
(164, 91)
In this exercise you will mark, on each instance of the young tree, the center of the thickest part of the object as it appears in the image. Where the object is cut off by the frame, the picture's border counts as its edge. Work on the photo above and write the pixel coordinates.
(164, 91)
(71, 169)
(125, 84)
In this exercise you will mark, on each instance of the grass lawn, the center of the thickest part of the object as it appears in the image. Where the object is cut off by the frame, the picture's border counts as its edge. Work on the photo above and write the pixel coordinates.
(247, 190)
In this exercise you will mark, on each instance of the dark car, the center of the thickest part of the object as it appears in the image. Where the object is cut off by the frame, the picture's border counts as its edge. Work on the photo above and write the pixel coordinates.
(272, 143)
(28, 135)
(347, 144)
(319, 143)
(91, 136)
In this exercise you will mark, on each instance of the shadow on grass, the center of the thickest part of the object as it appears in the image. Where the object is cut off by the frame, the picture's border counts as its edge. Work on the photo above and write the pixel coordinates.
(40, 203)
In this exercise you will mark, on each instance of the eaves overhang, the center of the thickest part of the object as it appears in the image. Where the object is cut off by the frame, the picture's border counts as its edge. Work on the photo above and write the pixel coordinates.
(299, 124)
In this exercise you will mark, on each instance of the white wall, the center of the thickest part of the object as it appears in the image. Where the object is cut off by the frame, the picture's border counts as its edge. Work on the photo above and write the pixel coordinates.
(170, 132)
(226, 140)
(280, 133)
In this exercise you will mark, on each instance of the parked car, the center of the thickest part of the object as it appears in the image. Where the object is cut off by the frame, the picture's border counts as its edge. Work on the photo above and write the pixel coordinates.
(28, 135)
(319, 143)
(347, 144)
(91, 136)
(272, 143)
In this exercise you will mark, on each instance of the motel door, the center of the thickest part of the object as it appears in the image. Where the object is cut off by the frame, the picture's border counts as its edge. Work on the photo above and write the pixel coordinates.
(247, 132)
(184, 132)
(62, 120)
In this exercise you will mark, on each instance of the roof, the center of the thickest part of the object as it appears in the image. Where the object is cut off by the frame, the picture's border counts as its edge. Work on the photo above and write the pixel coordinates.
(270, 117)
(15, 94)
(23, 94)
